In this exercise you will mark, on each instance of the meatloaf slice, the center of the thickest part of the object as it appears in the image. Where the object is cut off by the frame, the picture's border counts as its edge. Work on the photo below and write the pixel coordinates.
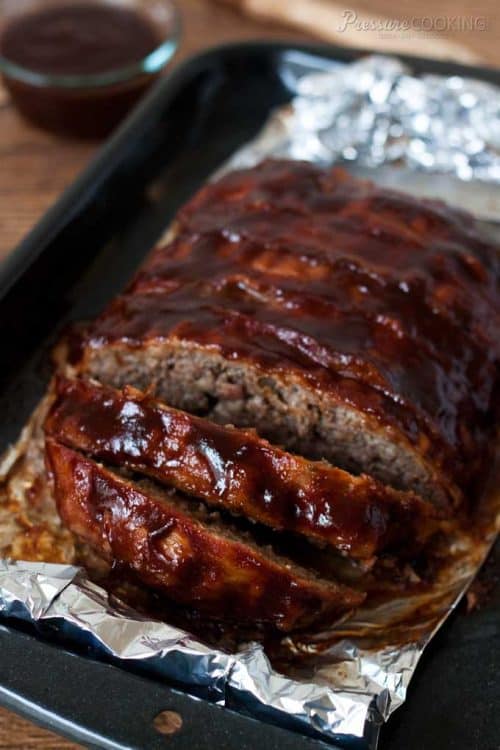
(187, 554)
(236, 470)
(344, 320)
(279, 403)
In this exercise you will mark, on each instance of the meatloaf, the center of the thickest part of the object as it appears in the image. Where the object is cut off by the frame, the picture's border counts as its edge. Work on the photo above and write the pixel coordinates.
(344, 321)
(182, 551)
(236, 470)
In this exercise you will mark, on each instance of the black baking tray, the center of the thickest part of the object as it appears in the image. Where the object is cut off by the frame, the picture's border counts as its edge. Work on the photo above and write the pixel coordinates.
(67, 268)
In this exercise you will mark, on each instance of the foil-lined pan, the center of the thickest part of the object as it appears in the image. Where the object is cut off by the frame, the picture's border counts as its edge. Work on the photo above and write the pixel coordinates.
(343, 682)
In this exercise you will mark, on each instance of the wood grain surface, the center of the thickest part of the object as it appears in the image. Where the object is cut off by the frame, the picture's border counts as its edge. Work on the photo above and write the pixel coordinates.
(35, 167)
(18, 734)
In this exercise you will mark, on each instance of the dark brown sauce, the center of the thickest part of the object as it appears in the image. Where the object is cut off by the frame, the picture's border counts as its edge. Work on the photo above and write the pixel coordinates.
(387, 303)
(234, 469)
(78, 40)
(156, 535)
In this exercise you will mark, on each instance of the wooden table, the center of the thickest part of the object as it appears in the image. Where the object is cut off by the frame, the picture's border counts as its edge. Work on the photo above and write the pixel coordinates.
(36, 167)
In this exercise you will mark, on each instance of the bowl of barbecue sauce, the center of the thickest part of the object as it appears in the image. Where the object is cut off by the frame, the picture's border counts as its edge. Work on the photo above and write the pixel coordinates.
(77, 67)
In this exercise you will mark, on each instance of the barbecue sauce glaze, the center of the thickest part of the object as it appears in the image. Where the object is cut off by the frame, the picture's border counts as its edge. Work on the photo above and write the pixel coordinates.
(234, 469)
(381, 301)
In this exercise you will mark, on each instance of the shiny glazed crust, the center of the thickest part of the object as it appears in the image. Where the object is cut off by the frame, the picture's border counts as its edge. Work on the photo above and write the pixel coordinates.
(193, 560)
(351, 322)
(236, 470)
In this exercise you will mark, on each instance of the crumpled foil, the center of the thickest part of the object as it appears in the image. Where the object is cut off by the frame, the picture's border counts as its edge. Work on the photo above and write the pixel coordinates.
(373, 112)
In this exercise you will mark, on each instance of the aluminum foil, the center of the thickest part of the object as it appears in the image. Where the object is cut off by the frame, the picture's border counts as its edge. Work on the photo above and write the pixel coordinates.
(342, 683)
(374, 112)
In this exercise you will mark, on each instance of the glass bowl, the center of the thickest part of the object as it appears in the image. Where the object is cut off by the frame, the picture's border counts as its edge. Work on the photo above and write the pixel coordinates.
(87, 104)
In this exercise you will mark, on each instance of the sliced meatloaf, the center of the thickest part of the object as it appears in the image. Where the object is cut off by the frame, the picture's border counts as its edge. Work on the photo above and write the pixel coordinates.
(345, 321)
(187, 554)
(236, 470)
